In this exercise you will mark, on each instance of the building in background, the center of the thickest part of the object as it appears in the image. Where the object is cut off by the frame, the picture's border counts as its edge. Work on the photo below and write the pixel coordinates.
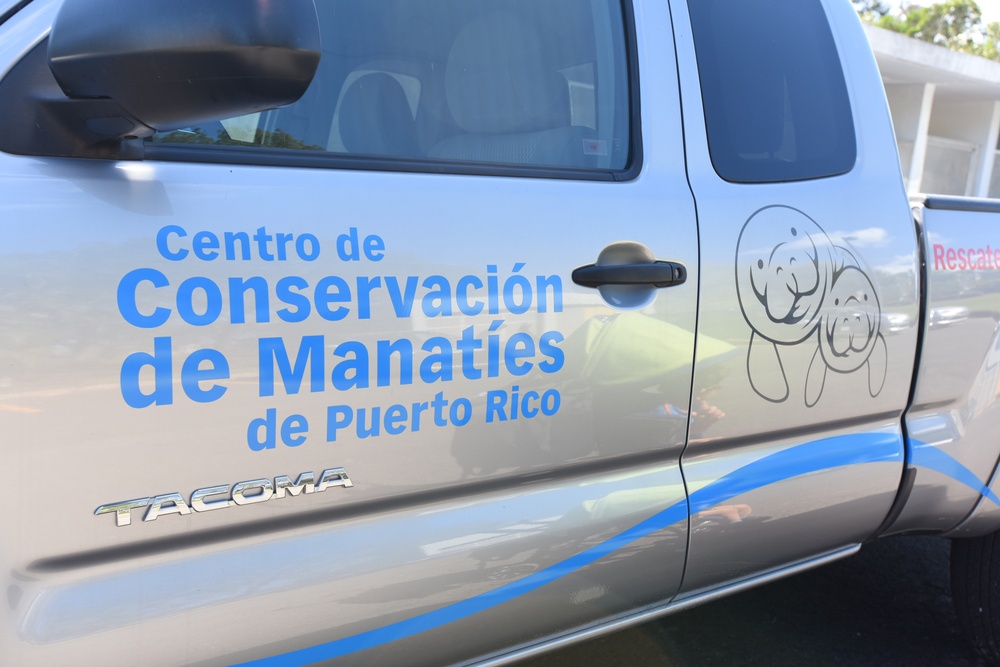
(946, 111)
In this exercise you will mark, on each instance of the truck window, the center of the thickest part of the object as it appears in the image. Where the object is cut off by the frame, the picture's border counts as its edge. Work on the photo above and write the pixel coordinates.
(473, 82)
(776, 105)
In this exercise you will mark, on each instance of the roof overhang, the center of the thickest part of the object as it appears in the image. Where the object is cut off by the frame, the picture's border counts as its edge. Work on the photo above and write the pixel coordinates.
(959, 77)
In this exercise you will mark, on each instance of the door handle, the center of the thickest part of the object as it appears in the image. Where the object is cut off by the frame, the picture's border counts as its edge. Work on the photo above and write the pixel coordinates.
(654, 274)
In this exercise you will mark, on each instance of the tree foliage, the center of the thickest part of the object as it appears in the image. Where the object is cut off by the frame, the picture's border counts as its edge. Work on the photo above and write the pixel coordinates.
(871, 10)
(955, 24)
(277, 139)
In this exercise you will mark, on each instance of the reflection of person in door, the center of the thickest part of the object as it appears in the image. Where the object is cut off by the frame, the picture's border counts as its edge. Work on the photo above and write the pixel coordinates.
(731, 513)
(625, 389)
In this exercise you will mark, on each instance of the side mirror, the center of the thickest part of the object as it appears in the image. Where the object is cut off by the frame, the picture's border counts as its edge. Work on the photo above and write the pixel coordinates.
(115, 71)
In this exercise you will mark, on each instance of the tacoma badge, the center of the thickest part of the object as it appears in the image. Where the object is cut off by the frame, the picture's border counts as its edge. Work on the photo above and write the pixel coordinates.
(220, 497)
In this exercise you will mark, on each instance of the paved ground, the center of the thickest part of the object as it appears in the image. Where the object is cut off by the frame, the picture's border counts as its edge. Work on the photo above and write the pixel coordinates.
(888, 606)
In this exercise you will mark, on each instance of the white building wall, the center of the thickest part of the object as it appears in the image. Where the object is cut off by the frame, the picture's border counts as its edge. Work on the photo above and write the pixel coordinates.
(968, 122)
(946, 112)
(957, 154)
(904, 104)
(959, 149)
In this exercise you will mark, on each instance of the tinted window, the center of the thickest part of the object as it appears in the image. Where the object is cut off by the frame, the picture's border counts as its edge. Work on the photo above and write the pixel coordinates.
(512, 82)
(776, 104)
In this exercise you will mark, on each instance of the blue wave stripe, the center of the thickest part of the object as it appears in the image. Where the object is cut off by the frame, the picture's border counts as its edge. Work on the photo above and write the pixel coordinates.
(481, 602)
(800, 460)
(929, 456)
(786, 464)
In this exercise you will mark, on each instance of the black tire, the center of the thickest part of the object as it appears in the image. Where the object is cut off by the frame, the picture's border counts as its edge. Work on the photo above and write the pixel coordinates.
(975, 591)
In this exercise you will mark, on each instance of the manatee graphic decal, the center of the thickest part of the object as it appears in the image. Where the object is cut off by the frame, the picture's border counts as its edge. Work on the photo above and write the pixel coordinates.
(796, 287)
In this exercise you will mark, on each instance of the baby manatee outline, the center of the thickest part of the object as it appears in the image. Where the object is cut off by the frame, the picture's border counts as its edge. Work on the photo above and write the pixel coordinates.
(796, 286)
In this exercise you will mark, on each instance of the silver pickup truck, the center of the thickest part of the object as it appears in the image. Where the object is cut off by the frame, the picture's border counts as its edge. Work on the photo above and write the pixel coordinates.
(424, 332)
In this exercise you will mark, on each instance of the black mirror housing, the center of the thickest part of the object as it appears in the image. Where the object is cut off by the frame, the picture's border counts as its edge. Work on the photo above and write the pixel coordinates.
(173, 63)
(118, 70)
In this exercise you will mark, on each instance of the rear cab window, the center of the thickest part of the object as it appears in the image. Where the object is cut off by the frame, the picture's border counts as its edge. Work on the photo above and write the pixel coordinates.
(776, 104)
(412, 84)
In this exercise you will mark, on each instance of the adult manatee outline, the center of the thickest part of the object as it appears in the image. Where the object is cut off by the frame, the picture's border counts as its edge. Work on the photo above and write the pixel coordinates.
(795, 286)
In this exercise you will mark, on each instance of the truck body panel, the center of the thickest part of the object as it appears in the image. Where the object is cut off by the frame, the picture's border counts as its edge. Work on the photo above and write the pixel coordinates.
(124, 304)
(951, 425)
(841, 424)
(328, 383)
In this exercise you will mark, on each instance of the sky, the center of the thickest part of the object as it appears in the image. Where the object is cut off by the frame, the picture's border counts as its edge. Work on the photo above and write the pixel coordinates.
(990, 8)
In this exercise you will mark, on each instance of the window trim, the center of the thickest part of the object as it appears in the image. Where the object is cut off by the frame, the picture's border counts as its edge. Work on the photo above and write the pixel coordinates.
(280, 157)
(13, 9)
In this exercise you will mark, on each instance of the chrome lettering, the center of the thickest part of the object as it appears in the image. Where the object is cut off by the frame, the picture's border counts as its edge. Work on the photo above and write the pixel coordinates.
(334, 477)
(305, 484)
(123, 510)
(168, 503)
(199, 504)
(240, 496)
(222, 496)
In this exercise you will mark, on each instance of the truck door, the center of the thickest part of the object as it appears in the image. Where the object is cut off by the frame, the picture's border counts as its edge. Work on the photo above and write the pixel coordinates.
(807, 326)
(318, 382)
